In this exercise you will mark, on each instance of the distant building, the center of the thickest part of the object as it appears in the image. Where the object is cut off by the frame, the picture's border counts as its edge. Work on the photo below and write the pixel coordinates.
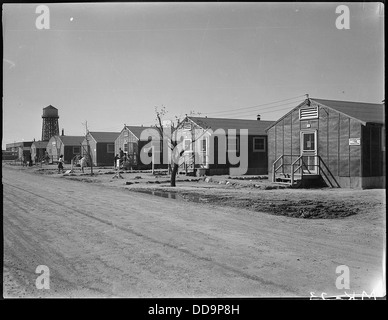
(68, 146)
(129, 141)
(341, 143)
(9, 155)
(21, 148)
(102, 147)
(38, 149)
(202, 143)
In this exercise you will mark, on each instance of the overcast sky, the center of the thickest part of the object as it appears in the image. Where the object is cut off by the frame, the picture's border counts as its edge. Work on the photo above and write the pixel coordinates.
(111, 64)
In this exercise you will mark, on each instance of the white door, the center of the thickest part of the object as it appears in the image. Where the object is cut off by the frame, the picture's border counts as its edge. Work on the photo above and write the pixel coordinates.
(308, 143)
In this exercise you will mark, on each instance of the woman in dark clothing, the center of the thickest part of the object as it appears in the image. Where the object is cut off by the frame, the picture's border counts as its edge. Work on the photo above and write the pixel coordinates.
(60, 164)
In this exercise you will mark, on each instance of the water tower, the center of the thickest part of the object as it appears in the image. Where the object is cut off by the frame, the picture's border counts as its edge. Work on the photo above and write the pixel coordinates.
(50, 125)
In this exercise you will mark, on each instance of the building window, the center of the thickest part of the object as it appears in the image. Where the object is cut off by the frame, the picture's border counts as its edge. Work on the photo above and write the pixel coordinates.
(76, 150)
(131, 147)
(308, 141)
(203, 152)
(187, 144)
(308, 113)
(203, 145)
(126, 133)
(234, 144)
(259, 144)
(110, 148)
(187, 126)
(125, 147)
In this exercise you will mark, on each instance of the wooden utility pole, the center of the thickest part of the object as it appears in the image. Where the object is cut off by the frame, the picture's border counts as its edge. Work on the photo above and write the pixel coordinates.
(153, 160)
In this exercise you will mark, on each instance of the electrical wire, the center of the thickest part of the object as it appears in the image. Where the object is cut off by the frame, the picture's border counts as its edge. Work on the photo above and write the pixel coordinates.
(254, 107)
(262, 110)
(245, 111)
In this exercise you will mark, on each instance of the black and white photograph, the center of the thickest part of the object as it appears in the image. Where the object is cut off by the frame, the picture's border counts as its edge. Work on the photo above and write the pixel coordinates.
(183, 150)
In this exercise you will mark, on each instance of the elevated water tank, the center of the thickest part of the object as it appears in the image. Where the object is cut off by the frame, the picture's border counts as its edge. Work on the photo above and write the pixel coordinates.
(50, 112)
(50, 126)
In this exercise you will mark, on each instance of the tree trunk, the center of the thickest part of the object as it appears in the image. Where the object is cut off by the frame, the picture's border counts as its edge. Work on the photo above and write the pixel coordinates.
(173, 174)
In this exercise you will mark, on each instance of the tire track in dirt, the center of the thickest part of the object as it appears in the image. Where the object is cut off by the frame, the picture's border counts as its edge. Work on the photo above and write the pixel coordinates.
(22, 240)
(155, 241)
(258, 244)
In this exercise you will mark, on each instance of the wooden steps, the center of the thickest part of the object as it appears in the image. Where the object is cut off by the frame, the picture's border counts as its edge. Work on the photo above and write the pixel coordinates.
(299, 180)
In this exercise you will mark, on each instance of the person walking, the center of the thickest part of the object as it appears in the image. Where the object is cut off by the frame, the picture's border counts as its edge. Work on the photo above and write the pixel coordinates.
(116, 158)
(60, 164)
(30, 160)
(46, 158)
(83, 163)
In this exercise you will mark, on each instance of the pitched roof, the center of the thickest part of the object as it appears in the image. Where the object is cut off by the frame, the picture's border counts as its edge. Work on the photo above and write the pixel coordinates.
(137, 130)
(105, 136)
(72, 140)
(365, 112)
(19, 144)
(50, 107)
(40, 144)
(361, 111)
(255, 127)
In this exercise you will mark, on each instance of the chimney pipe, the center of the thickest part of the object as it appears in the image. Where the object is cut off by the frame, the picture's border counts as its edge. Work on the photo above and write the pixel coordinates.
(258, 117)
(63, 132)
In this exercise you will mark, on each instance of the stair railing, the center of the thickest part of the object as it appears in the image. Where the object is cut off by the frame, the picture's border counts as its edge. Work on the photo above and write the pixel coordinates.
(186, 161)
(275, 169)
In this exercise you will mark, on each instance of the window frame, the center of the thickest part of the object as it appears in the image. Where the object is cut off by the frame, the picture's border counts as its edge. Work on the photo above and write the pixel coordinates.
(264, 144)
(79, 147)
(190, 149)
(107, 148)
(313, 132)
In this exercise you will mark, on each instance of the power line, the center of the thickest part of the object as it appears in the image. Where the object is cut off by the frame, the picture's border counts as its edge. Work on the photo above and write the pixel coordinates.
(245, 111)
(253, 107)
(270, 111)
(261, 110)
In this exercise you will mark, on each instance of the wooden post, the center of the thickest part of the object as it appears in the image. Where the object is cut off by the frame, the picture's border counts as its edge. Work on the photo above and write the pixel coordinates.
(193, 146)
(273, 172)
(153, 159)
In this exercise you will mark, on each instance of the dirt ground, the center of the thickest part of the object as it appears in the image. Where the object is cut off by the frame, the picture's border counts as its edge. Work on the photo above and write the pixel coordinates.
(254, 193)
(223, 238)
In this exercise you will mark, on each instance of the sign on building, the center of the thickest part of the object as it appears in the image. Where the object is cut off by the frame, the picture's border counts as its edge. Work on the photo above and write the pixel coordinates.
(354, 141)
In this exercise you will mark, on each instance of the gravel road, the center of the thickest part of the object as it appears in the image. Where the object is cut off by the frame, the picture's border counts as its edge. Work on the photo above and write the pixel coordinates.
(103, 242)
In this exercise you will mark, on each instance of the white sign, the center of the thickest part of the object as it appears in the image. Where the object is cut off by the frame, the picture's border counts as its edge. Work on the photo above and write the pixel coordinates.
(354, 141)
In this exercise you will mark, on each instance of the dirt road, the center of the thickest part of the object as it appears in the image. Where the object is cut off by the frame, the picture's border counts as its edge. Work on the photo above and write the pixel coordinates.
(103, 242)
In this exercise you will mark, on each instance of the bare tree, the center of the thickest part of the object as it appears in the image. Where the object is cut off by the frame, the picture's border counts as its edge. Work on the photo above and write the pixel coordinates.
(89, 156)
(170, 136)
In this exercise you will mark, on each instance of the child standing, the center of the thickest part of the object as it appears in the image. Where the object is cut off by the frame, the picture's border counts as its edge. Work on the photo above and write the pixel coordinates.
(83, 163)
(60, 164)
